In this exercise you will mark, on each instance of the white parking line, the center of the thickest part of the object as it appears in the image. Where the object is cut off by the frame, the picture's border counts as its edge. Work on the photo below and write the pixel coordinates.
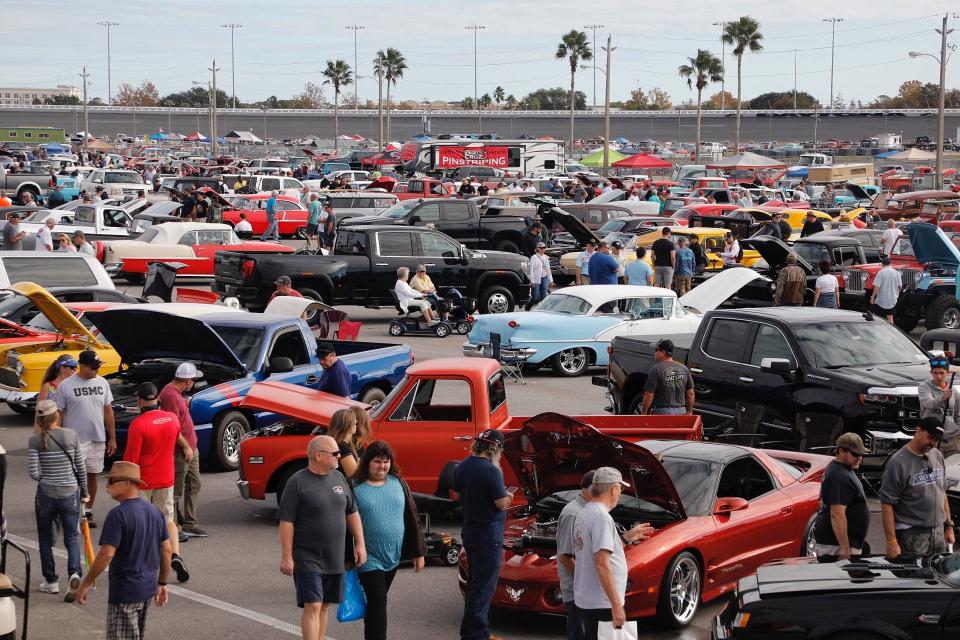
(255, 616)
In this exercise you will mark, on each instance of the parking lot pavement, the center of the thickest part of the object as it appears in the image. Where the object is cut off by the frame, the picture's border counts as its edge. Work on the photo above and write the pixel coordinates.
(236, 589)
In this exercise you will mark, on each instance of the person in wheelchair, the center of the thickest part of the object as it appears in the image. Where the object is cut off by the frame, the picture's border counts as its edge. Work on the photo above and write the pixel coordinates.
(410, 299)
(422, 283)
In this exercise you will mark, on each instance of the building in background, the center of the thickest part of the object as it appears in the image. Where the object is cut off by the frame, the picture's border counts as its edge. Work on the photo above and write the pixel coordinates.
(23, 96)
(32, 135)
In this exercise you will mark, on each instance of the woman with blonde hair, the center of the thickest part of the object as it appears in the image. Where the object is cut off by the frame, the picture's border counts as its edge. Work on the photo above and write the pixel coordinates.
(343, 429)
(364, 433)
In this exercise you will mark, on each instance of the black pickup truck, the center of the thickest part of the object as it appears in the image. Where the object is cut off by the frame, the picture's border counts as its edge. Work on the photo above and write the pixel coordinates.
(795, 364)
(459, 219)
(363, 270)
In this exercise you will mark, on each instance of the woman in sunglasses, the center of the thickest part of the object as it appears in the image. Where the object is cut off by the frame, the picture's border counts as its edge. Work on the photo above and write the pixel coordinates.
(938, 400)
(64, 244)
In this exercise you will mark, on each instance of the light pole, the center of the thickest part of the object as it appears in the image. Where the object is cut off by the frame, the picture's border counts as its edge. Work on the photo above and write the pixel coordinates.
(197, 83)
(942, 59)
(833, 36)
(723, 58)
(606, 110)
(594, 46)
(233, 65)
(475, 28)
(356, 65)
(108, 24)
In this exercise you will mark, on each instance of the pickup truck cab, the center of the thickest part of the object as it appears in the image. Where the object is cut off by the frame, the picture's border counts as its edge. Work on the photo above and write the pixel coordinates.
(116, 182)
(98, 221)
(430, 420)
(799, 365)
(234, 351)
(459, 219)
(416, 188)
(17, 184)
(363, 269)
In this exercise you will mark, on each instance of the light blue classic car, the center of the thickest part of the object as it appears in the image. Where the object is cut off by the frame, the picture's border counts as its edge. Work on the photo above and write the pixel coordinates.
(572, 327)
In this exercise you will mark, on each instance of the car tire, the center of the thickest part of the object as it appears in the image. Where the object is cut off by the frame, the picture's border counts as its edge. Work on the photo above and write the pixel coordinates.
(301, 233)
(570, 363)
(683, 576)
(284, 476)
(506, 245)
(452, 556)
(229, 429)
(943, 313)
(313, 317)
(808, 544)
(373, 395)
(496, 299)
(463, 327)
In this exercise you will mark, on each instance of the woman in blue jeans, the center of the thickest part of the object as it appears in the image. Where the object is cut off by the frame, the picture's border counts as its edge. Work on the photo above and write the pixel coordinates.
(391, 531)
(54, 460)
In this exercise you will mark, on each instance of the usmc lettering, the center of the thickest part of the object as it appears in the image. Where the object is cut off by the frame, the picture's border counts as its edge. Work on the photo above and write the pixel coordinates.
(88, 391)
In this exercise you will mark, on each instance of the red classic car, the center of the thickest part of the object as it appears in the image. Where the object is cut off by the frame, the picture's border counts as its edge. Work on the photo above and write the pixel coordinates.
(682, 215)
(719, 510)
(926, 206)
(430, 418)
(291, 216)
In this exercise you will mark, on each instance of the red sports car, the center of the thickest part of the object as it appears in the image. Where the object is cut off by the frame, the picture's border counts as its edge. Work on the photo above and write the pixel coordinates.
(719, 510)
(291, 216)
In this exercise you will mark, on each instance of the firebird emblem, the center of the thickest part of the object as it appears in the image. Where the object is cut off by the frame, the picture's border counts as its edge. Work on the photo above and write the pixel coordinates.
(514, 594)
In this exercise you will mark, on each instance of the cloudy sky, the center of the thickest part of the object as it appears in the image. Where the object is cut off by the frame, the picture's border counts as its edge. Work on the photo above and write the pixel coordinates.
(283, 45)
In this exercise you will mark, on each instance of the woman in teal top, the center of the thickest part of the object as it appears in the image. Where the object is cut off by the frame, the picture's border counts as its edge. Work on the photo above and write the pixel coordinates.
(391, 531)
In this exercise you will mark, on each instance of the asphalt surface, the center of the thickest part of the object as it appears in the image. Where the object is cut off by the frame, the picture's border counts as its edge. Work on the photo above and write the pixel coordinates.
(236, 589)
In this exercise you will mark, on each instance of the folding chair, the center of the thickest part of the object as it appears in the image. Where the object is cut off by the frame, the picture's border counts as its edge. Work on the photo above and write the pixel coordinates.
(511, 367)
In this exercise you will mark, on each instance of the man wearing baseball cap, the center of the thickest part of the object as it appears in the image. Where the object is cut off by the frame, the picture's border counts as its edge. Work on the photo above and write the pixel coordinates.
(842, 522)
(668, 390)
(485, 500)
(600, 579)
(938, 400)
(913, 496)
(12, 235)
(284, 288)
(336, 377)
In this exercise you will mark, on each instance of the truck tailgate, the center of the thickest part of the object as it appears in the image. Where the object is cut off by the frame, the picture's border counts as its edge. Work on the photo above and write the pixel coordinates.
(228, 266)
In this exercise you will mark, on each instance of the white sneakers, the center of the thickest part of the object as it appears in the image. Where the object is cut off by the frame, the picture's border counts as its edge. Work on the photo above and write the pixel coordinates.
(49, 587)
(72, 585)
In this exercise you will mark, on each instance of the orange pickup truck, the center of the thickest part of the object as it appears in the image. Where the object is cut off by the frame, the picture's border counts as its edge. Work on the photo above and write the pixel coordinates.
(430, 420)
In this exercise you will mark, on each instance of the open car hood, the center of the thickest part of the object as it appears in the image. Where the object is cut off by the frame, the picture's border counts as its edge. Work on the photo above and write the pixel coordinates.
(142, 334)
(300, 403)
(717, 289)
(293, 307)
(551, 214)
(774, 252)
(551, 452)
(58, 315)
(930, 244)
(384, 182)
(857, 191)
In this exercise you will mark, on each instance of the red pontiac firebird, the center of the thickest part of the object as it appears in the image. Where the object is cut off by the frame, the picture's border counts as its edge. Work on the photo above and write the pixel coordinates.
(719, 510)
(291, 216)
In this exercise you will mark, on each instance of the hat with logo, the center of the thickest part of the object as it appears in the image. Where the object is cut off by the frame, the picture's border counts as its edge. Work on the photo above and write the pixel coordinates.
(187, 371)
(89, 358)
(492, 436)
(283, 280)
(122, 470)
(666, 346)
(46, 407)
(932, 426)
(617, 244)
(608, 475)
(852, 443)
(324, 349)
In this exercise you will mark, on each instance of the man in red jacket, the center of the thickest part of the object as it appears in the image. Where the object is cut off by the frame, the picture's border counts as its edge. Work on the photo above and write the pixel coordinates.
(151, 440)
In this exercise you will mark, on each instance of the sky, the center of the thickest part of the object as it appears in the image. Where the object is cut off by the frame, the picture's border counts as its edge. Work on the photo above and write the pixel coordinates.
(283, 45)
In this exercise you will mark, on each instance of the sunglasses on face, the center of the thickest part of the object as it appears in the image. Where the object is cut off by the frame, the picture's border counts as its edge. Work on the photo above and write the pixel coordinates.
(335, 454)
(854, 454)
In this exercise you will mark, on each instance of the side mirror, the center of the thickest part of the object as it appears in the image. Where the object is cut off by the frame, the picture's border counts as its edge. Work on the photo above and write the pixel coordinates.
(726, 506)
(780, 366)
(279, 365)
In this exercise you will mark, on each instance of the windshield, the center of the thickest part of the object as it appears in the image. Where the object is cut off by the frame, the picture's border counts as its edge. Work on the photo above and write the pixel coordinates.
(40, 215)
(399, 210)
(694, 481)
(611, 227)
(41, 322)
(243, 341)
(124, 177)
(812, 252)
(564, 303)
(149, 234)
(860, 344)
(805, 161)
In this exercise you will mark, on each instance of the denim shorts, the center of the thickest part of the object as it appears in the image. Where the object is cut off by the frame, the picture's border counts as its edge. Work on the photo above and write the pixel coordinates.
(318, 587)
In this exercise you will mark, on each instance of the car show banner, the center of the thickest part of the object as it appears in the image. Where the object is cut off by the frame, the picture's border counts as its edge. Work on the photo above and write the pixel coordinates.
(451, 157)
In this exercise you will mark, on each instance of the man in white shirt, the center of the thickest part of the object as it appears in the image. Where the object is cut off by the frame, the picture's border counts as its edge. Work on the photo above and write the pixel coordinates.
(888, 240)
(244, 227)
(410, 297)
(80, 242)
(731, 251)
(45, 236)
(886, 289)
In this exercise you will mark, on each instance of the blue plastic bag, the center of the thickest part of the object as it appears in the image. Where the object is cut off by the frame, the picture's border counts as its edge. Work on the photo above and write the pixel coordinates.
(354, 604)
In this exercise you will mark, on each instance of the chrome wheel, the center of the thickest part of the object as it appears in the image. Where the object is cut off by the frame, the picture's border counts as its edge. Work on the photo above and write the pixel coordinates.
(442, 330)
(396, 329)
(810, 543)
(497, 303)
(951, 318)
(232, 435)
(571, 362)
(685, 589)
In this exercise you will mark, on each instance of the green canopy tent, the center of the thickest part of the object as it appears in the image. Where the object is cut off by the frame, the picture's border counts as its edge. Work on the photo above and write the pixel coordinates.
(595, 159)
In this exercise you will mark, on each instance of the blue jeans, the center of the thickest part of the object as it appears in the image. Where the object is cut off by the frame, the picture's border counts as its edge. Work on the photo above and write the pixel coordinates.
(273, 231)
(68, 510)
(576, 629)
(538, 292)
(484, 555)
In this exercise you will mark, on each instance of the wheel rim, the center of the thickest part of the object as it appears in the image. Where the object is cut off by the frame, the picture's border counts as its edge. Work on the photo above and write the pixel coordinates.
(573, 360)
(394, 329)
(497, 303)
(232, 435)
(684, 590)
(301, 232)
(463, 328)
(442, 330)
(811, 543)
(951, 318)
(453, 555)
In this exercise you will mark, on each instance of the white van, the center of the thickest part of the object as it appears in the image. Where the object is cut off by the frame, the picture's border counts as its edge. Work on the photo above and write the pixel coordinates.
(56, 269)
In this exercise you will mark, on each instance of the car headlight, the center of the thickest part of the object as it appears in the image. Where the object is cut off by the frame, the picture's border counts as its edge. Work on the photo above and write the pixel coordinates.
(524, 266)
(845, 274)
(18, 367)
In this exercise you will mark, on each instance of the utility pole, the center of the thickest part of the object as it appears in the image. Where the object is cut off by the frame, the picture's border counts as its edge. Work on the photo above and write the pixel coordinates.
(723, 59)
(108, 24)
(943, 79)
(380, 99)
(233, 64)
(476, 96)
(794, 79)
(213, 111)
(356, 65)
(594, 45)
(606, 112)
(86, 119)
(833, 35)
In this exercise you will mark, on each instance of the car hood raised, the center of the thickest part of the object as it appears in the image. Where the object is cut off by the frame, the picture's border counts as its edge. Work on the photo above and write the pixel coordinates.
(774, 252)
(718, 288)
(58, 315)
(551, 452)
(571, 224)
(930, 244)
(141, 334)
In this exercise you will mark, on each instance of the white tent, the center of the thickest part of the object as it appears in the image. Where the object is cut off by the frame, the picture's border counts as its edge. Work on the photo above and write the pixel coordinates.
(243, 136)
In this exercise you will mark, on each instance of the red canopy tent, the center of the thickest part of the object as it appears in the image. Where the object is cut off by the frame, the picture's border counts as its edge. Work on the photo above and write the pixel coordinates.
(196, 136)
(642, 161)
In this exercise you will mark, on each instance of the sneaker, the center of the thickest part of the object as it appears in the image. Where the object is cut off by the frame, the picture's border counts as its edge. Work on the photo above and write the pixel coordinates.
(180, 568)
(49, 587)
(73, 584)
(195, 532)
(89, 516)
(183, 537)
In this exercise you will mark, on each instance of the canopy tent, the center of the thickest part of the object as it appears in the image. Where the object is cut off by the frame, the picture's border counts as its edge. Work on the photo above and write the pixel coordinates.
(55, 147)
(159, 136)
(886, 154)
(176, 136)
(913, 155)
(595, 159)
(747, 160)
(393, 146)
(621, 140)
(642, 161)
(196, 136)
(630, 149)
(242, 136)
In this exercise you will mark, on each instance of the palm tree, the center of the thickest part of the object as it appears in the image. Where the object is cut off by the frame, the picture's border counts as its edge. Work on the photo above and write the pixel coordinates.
(485, 101)
(394, 64)
(498, 96)
(339, 75)
(511, 102)
(378, 68)
(701, 71)
(743, 34)
(574, 47)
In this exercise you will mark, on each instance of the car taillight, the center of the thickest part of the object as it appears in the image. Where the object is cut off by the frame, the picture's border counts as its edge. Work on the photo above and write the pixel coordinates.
(247, 269)
(513, 324)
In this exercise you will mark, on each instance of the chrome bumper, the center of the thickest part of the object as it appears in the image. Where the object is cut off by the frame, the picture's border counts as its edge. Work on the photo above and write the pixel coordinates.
(25, 399)
(244, 488)
(484, 350)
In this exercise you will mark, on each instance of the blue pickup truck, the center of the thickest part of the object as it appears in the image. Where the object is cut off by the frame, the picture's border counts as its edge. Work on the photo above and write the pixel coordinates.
(234, 351)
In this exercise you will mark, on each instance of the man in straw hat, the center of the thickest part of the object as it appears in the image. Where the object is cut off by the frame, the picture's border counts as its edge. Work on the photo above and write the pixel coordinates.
(135, 544)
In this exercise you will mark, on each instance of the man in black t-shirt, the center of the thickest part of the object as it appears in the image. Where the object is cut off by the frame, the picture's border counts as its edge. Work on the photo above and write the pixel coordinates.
(841, 525)
(664, 260)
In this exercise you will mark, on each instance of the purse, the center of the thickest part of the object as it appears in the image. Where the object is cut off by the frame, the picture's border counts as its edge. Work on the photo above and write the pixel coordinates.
(628, 631)
(354, 604)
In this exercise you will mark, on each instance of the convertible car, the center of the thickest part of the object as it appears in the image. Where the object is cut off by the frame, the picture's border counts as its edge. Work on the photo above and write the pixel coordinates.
(719, 512)
(192, 243)
(572, 327)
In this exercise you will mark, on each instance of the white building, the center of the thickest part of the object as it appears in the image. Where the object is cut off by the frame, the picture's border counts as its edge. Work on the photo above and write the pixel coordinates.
(20, 96)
